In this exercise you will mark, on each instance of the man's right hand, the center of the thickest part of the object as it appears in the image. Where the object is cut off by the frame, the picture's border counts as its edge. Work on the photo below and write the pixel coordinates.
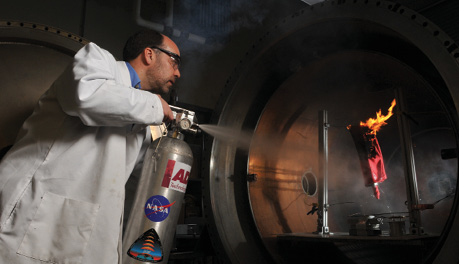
(168, 116)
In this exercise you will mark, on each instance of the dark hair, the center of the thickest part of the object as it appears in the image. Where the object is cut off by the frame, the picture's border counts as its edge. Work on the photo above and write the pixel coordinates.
(137, 43)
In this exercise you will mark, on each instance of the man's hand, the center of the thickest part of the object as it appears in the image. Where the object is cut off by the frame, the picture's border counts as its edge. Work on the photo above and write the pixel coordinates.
(168, 116)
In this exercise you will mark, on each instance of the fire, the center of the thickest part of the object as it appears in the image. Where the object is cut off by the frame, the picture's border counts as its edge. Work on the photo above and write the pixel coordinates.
(374, 124)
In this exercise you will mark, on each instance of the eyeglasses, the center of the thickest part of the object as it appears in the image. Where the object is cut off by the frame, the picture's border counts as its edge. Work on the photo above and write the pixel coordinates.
(175, 57)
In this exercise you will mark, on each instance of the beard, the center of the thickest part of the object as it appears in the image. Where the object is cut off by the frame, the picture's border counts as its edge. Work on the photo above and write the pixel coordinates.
(157, 83)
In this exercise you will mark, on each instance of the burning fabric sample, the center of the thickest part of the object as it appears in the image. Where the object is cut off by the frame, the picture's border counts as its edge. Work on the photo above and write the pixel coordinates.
(369, 151)
(371, 159)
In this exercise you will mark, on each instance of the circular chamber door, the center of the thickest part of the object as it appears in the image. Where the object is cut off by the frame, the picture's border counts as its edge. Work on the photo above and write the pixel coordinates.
(32, 56)
(350, 60)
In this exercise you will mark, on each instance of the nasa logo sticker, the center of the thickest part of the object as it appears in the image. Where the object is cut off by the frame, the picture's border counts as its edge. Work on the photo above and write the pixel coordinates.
(157, 208)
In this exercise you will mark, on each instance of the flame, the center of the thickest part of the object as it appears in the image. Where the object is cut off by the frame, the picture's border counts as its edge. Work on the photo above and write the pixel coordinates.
(374, 124)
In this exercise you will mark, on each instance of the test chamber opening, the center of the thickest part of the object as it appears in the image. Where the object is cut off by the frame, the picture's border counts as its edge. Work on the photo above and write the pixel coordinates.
(352, 67)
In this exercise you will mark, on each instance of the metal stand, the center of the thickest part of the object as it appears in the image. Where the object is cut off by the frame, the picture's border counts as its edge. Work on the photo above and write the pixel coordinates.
(409, 168)
(322, 220)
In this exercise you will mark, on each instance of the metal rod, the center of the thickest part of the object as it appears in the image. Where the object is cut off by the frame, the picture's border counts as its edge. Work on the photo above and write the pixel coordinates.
(322, 220)
(170, 13)
(409, 165)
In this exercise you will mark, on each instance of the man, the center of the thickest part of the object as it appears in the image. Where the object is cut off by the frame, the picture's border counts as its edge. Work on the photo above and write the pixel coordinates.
(62, 183)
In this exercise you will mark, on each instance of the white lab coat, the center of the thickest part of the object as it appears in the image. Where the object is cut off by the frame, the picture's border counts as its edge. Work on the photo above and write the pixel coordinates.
(62, 183)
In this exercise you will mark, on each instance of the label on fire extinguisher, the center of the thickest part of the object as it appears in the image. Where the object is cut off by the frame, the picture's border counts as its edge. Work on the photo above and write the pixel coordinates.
(157, 208)
(176, 175)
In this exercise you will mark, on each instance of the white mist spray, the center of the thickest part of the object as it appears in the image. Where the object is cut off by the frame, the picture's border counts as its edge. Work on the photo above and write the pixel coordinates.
(229, 135)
